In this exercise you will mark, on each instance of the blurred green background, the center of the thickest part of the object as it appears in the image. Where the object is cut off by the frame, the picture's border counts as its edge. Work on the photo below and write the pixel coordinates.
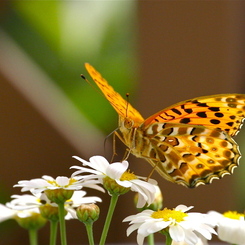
(59, 36)
(161, 52)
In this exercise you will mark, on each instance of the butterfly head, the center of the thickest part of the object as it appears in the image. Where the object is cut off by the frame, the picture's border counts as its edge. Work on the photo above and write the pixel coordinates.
(126, 123)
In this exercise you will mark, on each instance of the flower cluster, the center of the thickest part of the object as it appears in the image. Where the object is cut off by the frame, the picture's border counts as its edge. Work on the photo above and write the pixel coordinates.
(62, 198)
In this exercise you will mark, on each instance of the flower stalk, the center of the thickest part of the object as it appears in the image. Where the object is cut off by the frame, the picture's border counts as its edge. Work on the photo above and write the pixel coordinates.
(89, 229)
(53, 232)
(113, 202)
(168, 237)
(33, 236)
(62, 213)
(150, 239)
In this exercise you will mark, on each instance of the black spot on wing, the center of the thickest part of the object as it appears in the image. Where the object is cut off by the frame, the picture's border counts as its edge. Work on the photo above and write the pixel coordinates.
(219, 114)
(176, 111)
(185, 120)
(214, 108)
(201, 114)
(215, 121)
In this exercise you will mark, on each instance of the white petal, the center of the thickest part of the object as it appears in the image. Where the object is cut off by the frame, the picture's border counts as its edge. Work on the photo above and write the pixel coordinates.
(183, 208)
(190, 237)
(62, 181)
(6, 213)
(84, 170)
(99, 163)
(81, 160)
(151, 226)
(132, 228)
(177, 233)
(158, 225)
(115, 170)
(140, 239)
(124, 183)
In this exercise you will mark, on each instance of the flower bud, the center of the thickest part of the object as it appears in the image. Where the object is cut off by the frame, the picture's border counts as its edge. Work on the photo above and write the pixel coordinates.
(88, 213)
(113, 188)
(59, 195)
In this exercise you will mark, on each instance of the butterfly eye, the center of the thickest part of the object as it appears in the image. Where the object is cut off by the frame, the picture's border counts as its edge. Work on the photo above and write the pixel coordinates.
(128, 123)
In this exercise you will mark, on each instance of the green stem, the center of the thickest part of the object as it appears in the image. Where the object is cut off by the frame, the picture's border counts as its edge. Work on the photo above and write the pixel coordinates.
(89, 228)
(150, 239)
(62, 223)
(112, 206)
(168, 237)
(53, 232)
(33, 236)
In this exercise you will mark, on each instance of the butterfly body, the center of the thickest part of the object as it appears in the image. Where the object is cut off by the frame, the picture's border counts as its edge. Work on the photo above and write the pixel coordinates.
(189, 143)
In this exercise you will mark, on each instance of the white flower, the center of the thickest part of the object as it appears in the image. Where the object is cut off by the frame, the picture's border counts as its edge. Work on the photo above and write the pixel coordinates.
(39, 185)
(231, 227)
(25, 202)
(182, 226)
(6, 212)
(101, 168)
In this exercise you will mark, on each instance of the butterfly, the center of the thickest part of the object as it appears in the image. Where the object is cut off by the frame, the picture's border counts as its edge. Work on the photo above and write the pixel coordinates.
(188, 143)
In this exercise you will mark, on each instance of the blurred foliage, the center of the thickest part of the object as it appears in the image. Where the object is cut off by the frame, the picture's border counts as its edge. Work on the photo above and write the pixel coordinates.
(60, 36)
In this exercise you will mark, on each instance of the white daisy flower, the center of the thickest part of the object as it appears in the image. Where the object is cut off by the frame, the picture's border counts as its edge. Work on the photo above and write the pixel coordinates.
(231, 226)
(101, 170)
(181, 226)
(28, 219)
(25, 202)
(39, 185)
(22, 202)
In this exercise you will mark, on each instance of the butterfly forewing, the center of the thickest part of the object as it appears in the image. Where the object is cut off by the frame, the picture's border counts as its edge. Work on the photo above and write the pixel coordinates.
(122, 107)
(223, 111)
(188, 155)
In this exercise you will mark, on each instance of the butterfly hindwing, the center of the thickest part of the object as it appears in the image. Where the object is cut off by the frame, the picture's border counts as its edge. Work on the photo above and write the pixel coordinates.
(189, 155)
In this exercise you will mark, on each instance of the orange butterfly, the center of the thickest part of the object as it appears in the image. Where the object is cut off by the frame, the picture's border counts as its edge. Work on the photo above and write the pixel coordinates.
(188, 143)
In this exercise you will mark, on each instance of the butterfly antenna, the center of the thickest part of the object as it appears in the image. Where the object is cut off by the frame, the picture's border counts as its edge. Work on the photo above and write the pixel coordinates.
(91, 84)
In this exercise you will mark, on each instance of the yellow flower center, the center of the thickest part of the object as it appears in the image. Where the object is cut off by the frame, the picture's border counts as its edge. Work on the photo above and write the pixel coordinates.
(72, 181)
(233, 215)
(169, 215)
(128, 176)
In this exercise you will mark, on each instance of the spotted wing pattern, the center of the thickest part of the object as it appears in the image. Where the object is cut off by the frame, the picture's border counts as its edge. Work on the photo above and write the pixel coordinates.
(189, 143)
(188, 155)
(223, 111)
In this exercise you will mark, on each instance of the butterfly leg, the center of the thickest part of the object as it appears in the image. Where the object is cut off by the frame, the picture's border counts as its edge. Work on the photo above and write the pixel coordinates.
(127, 152)
(114, 153)
(154, 163)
